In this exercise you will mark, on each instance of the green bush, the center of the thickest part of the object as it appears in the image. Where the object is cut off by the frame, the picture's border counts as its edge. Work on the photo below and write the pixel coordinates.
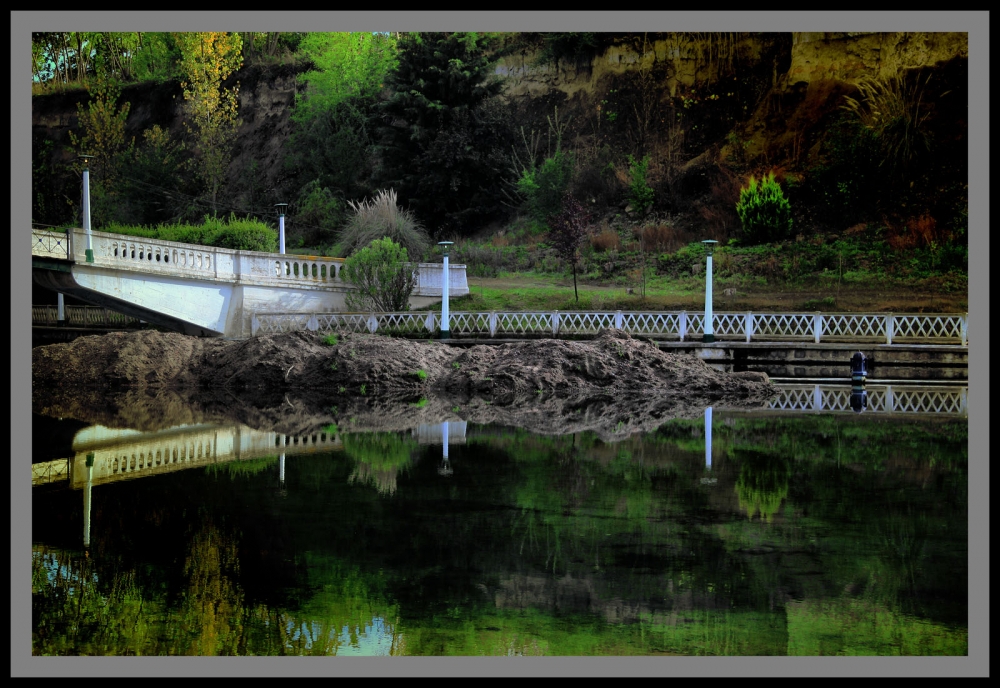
(381, 217)
(640, 194)
(234, 233)
(764, 211)
(543, 187)
(382, 277)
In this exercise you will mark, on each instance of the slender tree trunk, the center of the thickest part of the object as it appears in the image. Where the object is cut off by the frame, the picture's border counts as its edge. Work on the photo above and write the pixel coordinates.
(575, 293)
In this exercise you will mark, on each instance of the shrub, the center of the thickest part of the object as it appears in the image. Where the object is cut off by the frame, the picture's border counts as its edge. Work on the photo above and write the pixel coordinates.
(543, 187)
(234, 233)
(381, 217)
(382, 276)
(639, 192)
(764, 211)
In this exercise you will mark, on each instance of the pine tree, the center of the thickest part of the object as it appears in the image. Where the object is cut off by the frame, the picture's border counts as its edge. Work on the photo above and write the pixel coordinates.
(447, 134)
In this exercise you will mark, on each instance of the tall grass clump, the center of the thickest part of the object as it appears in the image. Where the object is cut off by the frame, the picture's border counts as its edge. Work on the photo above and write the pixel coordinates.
(764, 211)
(378, 218)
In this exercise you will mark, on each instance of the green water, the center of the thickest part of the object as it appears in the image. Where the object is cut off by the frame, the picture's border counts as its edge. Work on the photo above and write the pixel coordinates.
(807, 535)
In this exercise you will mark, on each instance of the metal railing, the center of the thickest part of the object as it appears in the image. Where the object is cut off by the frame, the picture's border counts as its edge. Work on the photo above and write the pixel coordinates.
(874, 328)
(48, 244)
(82, 316)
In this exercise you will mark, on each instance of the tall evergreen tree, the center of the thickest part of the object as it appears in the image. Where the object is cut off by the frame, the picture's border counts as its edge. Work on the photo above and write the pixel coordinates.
(447, 133)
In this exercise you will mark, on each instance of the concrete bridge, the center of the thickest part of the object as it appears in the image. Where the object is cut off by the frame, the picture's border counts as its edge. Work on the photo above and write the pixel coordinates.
(203, 290)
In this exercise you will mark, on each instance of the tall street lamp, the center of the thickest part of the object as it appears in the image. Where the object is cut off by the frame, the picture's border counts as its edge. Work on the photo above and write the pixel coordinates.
(85, 159)
(445, 289)
(709, 336)
(281, 207)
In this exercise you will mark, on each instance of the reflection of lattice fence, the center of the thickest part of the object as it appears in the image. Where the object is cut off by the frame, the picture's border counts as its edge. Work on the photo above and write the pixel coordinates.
(82, 316)
(881, 399)
(815, 327)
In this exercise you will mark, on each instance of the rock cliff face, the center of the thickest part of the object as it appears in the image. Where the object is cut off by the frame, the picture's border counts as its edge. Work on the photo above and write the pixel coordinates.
(684, 98)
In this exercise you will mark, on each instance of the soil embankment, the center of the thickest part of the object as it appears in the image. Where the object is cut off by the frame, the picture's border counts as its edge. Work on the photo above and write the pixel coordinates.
(614, 385)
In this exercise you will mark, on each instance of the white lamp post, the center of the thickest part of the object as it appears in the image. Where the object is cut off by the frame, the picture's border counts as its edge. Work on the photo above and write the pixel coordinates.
(709, 331)
(85, 159)
(445, 289)
(281, 225)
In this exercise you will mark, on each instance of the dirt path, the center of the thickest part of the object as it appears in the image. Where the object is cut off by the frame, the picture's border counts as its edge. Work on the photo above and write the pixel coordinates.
(614, 385)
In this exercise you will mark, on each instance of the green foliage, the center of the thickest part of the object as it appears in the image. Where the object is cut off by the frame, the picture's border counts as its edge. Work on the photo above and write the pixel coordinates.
(233, 233)
(330, 153)
(568, 46)
(330, 340)
(447, 138)
(419, 374)
(319, 208)
(347, 66)
(762, 483)
(382, 277)
(382, 217)
(640, 193)
(764, 211)
(207, 60)
(245, 468)
(847, 186)
(545, 186)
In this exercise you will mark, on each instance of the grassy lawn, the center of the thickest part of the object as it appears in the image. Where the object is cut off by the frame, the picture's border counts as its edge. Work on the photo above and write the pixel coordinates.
(547, 292)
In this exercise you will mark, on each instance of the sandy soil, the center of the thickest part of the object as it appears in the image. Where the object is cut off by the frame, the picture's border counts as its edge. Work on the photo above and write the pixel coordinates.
(614, 385)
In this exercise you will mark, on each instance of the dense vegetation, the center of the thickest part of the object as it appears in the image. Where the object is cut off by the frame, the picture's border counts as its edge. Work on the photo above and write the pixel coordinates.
(424, 116)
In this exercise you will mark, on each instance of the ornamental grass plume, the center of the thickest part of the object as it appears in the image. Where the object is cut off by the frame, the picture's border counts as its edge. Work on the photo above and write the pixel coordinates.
(381, 217)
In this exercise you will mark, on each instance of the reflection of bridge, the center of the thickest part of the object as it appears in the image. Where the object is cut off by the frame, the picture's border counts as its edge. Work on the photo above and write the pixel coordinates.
(202, 290)
(104, 455)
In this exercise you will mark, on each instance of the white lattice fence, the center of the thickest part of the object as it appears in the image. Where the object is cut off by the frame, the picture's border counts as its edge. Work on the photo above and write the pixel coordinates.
(815, 327)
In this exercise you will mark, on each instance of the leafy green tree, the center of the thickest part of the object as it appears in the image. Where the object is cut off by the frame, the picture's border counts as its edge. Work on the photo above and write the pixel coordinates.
(207, 59)
(640, 193)
(330, 153)
(447, 138)
(382, 277)
(544, 186)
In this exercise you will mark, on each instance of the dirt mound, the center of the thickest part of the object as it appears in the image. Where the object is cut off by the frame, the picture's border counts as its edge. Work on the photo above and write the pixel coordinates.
(614, 385)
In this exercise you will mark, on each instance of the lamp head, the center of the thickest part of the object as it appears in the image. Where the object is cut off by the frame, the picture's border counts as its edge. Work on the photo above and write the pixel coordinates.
(709, 245)
(281, 207)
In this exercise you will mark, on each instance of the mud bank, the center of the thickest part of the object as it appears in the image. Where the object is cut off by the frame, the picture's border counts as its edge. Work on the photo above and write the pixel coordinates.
(614, 385)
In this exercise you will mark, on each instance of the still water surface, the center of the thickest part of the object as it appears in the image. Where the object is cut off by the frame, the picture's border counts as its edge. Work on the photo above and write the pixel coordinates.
(774, 533)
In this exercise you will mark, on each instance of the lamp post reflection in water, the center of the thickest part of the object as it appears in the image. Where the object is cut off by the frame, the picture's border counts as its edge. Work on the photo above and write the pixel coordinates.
(86, 500)
(707, 480)
(445, 468)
